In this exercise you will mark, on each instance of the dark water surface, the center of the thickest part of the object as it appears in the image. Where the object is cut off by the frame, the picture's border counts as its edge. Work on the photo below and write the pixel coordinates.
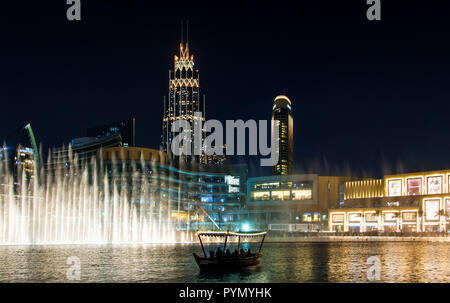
(282, 262)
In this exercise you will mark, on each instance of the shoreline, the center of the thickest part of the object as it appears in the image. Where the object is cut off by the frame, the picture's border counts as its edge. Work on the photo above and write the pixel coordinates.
(355, 239)
(289, 237)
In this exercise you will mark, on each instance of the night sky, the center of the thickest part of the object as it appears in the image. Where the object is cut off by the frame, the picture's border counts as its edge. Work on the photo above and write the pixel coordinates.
(368, 97)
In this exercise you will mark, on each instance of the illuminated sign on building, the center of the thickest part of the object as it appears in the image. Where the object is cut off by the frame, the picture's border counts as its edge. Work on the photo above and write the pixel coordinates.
(396, 203)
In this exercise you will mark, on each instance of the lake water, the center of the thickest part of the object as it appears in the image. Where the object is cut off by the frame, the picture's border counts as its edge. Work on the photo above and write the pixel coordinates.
(282, 262)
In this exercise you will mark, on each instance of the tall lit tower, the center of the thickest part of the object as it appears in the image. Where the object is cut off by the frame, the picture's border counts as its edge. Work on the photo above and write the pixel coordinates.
(184, 99)
(282, 115)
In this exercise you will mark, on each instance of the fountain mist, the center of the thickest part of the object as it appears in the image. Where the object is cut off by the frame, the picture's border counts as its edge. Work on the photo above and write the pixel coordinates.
(79, 201)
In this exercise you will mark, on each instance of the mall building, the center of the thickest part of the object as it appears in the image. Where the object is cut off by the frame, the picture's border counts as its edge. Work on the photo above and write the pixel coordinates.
(293, 202)
(196, 199)
(414, 202)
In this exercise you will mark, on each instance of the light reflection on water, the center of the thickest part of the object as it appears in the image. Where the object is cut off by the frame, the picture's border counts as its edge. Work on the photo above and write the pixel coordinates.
(282, 262)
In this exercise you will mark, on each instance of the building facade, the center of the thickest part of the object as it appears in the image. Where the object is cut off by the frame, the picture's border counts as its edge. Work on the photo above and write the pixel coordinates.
(293, 202)
(125, 128)
(194, 200)
(414, 202)
(282, 117)
(21, 155)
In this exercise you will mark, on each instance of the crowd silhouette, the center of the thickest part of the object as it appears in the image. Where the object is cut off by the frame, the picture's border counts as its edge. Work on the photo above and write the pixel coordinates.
(219, 254)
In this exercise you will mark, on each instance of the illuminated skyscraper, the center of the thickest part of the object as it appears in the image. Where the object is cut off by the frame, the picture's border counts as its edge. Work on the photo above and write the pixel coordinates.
(184, 100)
(282, 115)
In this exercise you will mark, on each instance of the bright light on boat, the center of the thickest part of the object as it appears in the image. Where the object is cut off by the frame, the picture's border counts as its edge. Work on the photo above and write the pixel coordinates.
(245, 227)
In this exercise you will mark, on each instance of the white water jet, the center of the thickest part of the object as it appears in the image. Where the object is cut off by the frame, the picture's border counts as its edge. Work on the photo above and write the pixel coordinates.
(84, 202)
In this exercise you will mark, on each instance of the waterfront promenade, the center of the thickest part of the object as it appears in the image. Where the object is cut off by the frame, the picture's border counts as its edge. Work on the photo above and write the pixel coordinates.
(285, 236)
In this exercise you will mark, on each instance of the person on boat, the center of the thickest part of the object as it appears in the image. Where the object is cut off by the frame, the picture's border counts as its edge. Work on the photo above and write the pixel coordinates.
(211, 254)
(228, 254)
(219, 253)
(235, 253)
(242, 253)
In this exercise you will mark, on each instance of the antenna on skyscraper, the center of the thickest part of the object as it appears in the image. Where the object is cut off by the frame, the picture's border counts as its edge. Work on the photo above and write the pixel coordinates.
(182, 31)
(187, 32)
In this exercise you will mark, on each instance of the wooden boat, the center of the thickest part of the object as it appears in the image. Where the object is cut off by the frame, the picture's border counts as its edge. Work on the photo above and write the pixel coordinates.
(233, 262)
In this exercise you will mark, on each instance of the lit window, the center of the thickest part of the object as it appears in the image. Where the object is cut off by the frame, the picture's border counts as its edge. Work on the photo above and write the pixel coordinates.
(281, 195)
(261, 196)
(302, 194)
(395, 188)
(434, 185)
(432, 210)
(414, 186)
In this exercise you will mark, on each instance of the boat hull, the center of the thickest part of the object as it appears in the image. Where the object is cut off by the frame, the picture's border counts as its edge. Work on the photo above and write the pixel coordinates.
(227, 263)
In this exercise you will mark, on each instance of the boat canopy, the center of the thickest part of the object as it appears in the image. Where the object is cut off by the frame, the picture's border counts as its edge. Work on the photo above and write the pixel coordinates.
(231, 234)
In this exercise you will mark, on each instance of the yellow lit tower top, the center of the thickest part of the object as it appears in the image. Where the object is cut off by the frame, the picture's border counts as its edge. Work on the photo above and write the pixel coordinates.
(183, 100)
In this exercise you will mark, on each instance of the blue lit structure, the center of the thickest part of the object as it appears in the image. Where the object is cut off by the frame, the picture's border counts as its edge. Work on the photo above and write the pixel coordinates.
(195, 199)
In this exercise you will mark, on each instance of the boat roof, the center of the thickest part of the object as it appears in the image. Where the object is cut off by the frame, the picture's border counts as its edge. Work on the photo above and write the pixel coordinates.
(231, 233)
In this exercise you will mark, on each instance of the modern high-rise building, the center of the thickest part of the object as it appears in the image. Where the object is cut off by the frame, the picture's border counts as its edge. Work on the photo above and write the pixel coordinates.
(183, 101)
(20, 154)
(282, 116)
(125, 128)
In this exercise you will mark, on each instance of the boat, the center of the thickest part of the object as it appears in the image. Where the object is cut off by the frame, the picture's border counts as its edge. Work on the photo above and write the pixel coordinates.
(233, 262)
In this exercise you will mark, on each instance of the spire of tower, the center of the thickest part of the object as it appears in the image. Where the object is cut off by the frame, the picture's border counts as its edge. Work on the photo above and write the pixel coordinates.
(184, 47)
(187, 33)
(181, 32)
(187, 38)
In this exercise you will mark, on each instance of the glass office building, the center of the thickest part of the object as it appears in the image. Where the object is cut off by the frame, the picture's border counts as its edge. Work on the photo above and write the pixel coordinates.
(193, 199)
(125, 128)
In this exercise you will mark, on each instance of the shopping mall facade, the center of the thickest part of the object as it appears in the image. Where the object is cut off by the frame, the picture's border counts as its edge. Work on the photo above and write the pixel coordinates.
(292, 202)
(196, 199)
(414, 202)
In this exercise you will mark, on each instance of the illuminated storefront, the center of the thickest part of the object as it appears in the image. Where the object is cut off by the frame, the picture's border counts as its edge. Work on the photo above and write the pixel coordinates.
(416, 202)
(300, 200)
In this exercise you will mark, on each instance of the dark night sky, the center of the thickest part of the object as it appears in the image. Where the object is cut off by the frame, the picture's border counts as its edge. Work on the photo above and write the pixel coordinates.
(370, 97)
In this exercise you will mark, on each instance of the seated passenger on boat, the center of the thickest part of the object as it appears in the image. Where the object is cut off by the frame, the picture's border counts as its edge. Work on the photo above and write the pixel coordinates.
(219, 253)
